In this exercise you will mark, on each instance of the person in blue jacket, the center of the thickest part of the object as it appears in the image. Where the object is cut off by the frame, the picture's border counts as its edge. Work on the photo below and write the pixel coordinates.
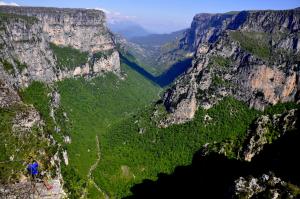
(33, 169)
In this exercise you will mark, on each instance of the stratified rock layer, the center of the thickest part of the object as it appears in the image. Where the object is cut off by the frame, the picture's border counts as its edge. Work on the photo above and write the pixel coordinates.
(26, 34)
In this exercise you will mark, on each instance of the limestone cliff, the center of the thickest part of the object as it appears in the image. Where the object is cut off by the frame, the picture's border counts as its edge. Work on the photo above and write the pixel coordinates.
(27, 32)
(253, 56)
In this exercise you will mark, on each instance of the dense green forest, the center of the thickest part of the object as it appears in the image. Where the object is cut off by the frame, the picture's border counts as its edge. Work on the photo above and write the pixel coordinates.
(93, 107)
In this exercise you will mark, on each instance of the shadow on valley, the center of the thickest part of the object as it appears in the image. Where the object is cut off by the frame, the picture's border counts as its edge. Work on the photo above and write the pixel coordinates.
(167, 77)
(213, 175)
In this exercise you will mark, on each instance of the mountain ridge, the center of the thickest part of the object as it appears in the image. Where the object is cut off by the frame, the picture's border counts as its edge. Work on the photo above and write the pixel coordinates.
(234, 55)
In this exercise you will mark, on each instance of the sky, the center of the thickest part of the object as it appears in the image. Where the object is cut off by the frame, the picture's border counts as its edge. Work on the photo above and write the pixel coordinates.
(161, 16)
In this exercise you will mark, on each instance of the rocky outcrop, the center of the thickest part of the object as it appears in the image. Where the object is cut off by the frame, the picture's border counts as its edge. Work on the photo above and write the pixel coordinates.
(261, 177)
(28, 189)
(205, 28)
(26, 35)
(8, 96)
(266, 129)
(25, 120)
(265, 186)
(253, 56)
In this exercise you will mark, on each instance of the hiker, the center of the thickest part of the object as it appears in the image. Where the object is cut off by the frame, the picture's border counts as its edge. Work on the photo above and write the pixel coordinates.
(33, 170)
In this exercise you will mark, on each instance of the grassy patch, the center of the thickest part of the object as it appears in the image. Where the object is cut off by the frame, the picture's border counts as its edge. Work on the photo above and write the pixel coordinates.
(68, 57)
(254, 42)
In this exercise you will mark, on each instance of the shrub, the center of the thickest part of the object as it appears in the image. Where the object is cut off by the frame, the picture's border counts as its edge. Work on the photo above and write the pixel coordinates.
(68, 57)
(220, 61)
(37, 95)
(8, 67)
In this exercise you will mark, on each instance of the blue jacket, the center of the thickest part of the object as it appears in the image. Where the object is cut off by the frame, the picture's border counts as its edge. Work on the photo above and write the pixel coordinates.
(33, 168)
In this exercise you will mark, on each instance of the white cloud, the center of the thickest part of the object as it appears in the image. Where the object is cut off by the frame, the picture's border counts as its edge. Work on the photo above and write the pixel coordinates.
(2, 3)
(114, 17)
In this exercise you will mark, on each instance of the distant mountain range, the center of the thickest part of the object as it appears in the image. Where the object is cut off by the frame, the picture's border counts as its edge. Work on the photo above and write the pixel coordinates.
(157, 39)
(128, 29)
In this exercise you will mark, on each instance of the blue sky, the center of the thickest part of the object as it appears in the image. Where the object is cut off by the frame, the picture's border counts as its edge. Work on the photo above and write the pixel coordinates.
(162, 15)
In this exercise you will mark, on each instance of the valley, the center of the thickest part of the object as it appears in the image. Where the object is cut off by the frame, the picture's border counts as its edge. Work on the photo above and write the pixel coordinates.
(195, 113)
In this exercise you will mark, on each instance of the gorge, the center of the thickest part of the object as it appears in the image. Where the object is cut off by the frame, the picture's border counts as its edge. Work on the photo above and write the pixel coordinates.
(210, 111)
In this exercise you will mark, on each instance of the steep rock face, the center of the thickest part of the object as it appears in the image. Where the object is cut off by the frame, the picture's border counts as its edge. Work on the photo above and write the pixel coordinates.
(80, 28)
(266, 129)
(254, 58)
(25, 53)
(27, 33)
(8, 96)
(205, 28)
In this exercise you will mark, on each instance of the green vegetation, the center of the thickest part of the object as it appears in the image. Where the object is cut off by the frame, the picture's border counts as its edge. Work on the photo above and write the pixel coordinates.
(132, 147)
(93, 107)
(20, 66)
(217, 81)
(104, 54)
(18, 148)
(146, 153)
(295, 190)
(8, 67)
(7, 145)
(254, 42)
(220, 61)
(68, 57)
(273, 133)
(280, 108)
(152, 70)
(37, 95)
(73, 182)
